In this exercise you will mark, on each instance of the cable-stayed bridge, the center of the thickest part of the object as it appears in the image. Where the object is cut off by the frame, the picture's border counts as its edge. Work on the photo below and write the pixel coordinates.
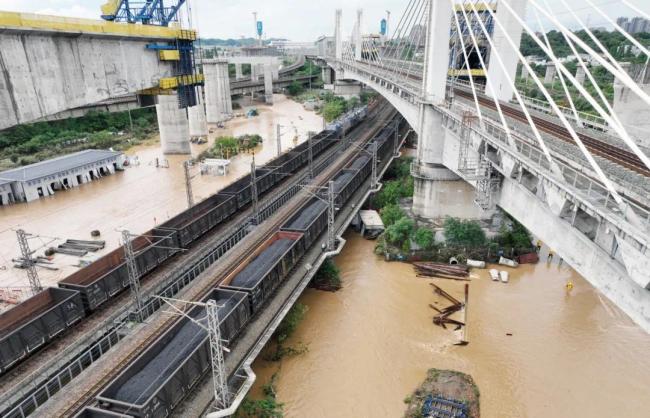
(578, 180)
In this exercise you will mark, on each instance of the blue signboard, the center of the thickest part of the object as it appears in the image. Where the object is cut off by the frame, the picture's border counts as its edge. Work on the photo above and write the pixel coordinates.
(383, 27)
(259, 28)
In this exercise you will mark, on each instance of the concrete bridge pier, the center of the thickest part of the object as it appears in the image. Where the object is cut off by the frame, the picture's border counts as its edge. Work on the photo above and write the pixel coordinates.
(173, 126)
(630, 108)
(197, 119)
(580, 75)
(268, 84)
(239, 74)
(549, 76)
(326, 74)
(347, 88)
(275, 71)
(256, 71)
(218, 103)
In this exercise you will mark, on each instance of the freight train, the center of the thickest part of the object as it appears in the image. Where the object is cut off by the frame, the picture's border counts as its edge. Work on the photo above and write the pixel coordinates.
(32, 324)
(159, 378)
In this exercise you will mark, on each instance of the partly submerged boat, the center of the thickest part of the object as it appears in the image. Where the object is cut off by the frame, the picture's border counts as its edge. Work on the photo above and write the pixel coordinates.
(494, 274)
(504, 276)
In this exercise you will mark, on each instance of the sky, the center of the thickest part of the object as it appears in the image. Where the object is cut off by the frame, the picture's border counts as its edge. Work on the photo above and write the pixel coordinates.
(300, 20)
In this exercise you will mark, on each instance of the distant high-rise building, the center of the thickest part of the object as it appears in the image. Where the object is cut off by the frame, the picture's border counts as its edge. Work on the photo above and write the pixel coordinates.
(634, 25)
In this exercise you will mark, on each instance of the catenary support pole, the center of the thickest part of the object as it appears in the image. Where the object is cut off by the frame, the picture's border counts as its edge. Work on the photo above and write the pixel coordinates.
(132, 270)
(32, 274)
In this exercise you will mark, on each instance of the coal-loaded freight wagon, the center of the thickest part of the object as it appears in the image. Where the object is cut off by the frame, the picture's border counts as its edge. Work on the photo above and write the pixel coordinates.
(166, 371)
(263, 271)
(33, 323)
(99, 282)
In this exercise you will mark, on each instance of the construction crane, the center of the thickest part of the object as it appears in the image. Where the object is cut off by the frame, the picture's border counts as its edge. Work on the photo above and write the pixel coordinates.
(147, 12)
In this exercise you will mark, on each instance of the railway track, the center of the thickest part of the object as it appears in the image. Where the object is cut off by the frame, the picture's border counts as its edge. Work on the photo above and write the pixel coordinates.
(603, 149)
(220, 270)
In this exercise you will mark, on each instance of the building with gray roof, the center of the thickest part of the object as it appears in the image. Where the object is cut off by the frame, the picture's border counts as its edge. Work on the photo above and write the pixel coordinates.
(44, 178)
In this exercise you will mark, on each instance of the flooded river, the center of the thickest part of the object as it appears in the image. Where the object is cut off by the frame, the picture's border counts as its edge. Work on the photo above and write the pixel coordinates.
(571, 354)
(141, 196)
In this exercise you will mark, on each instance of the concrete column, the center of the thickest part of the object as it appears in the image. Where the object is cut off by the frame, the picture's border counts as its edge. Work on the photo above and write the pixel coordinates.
(224, 91)
(436, 59)
(338, 40)
(580, 74)
(496, 75)
(326, 74)
(275, 69)
(239, 74)
(218, 103)
(358, 42)
(633, 112)
(197, 118)
(268, 84)
(173, 126)
(549, 76)
(524, 72)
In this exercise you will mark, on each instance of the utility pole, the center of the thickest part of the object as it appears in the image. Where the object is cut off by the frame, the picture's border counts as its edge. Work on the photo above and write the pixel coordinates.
(219, 382)
(32, 274)
(218, 365)
(278, 135)
(373, 179)
(256, 209)
(396, 144)
(331, 240)
(188, 184)
(132, 268)
(311, 156)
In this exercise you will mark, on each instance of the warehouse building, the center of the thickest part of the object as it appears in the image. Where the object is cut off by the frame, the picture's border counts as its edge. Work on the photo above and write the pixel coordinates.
(44, 178)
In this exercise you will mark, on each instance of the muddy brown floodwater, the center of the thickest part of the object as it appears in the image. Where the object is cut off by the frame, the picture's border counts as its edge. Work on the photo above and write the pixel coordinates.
(141, 196)
(571, 354)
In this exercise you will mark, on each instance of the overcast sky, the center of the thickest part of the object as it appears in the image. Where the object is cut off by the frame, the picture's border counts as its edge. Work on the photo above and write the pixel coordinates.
(301, 20)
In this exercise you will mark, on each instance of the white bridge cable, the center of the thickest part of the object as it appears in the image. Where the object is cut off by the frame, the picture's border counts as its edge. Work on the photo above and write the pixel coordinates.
(496, 54)
(469, 70)
(502, 117)
(601, 175)
(403, 35)
(623, 76)
(565, 88)
(588, 72)
(605, 115)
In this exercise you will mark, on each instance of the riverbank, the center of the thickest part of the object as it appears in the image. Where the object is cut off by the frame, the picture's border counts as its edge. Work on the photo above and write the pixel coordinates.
(371, 343)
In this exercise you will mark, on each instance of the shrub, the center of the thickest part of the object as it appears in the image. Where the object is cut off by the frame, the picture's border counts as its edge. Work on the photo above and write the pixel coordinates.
(400, 232)
(463, 232)
(390, 214)
(424, 238)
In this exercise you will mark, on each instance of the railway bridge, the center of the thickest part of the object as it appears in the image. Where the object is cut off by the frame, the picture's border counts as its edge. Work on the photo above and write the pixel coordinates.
(582, 191)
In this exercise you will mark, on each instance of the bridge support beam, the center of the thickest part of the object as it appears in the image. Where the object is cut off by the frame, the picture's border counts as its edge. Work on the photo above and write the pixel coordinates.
(358, 41)
(326, 74)
(496, 75)
(218, 102)
(173, 126)
(197, 118)
(580, 75)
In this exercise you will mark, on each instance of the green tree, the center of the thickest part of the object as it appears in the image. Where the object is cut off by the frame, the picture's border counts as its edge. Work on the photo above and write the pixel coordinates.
(295, 88)
(424, 238)
(464, 232)
(514, 235)
(290, 322)
(332, 110)
(390, 214)
(400, 232)
(328, 275)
